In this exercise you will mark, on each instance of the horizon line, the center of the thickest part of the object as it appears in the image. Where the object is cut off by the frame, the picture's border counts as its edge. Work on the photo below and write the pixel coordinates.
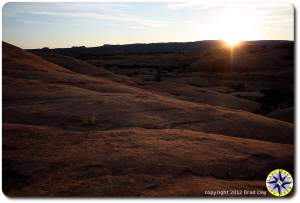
(147, 43)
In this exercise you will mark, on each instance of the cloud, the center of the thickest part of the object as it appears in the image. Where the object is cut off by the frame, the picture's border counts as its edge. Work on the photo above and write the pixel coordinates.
(33, 22)
(204, 4)
(98, 16)
(275, 14)
(97, 11)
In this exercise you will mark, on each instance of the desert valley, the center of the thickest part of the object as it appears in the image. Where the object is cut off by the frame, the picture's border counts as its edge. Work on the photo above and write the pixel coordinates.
(160, 119)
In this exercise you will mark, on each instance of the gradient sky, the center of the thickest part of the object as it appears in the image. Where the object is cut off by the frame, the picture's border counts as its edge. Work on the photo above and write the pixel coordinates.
(36, 25)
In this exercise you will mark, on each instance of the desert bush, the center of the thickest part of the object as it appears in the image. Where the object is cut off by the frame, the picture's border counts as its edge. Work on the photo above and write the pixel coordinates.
(135, 74)
(209, 54)
(288, 57)
(240, 87)
(236, 86)
(88, 121)
(157, 78)
(272, 98)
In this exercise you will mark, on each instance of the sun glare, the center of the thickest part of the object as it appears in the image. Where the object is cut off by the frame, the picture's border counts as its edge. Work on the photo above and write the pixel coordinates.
(232, 42)
(237, 26)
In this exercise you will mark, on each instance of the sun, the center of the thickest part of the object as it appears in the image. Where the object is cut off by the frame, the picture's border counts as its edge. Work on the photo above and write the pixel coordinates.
(237, 26)
(232, 42)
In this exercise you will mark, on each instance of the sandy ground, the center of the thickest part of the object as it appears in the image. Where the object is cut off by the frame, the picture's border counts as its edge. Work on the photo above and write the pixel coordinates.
(71, 128)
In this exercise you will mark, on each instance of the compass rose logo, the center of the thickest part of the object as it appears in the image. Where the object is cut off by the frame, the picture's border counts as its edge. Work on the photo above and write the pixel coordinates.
(279, 182)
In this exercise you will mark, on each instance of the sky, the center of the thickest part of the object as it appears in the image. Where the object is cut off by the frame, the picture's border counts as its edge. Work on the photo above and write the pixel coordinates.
(37, 25)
